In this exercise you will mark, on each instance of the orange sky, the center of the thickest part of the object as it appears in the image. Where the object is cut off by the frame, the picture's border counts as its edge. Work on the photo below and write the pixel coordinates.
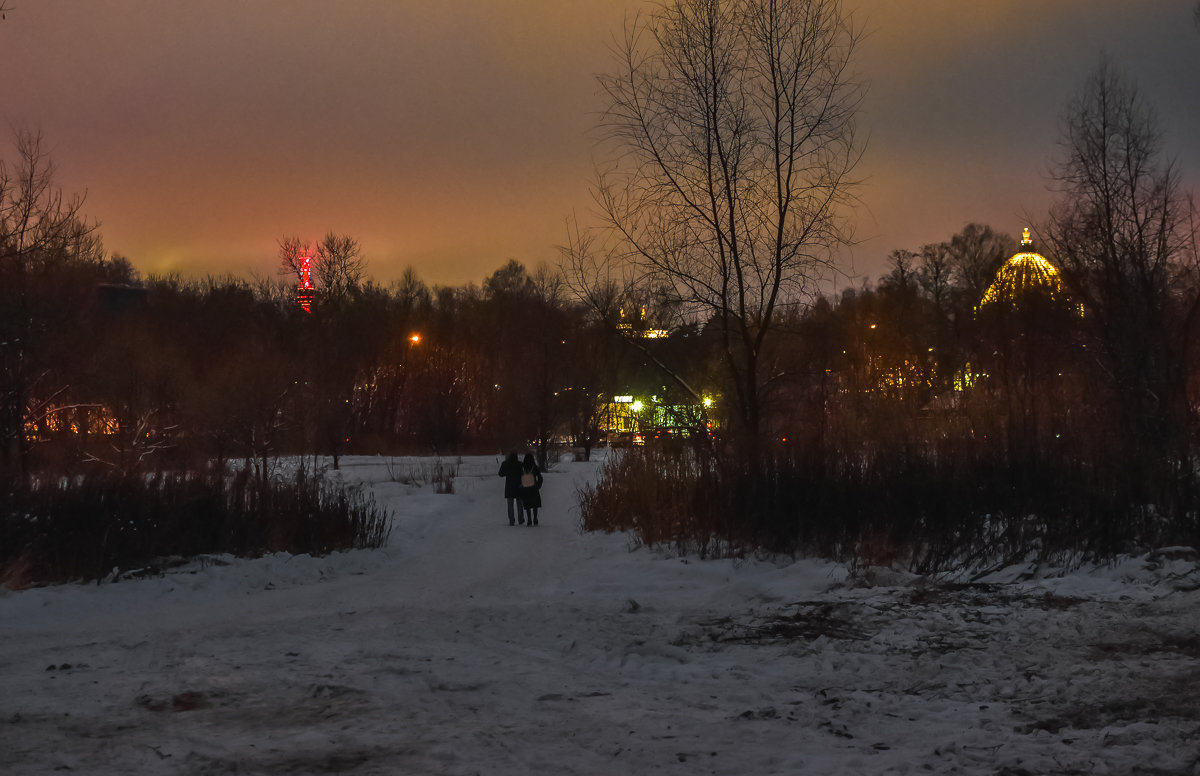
(454, 136)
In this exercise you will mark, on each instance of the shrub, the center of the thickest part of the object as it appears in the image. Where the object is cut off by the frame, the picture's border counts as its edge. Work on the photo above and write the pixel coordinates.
(85, 527)
(420, 473)
(932, 510)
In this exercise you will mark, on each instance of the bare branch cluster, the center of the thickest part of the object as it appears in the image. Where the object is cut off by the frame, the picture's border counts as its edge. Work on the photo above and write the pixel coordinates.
(291, 251)
(734, 129)
(38, 223)
(733, 137)
(1122, 231)
(338, 263)
(42, 232)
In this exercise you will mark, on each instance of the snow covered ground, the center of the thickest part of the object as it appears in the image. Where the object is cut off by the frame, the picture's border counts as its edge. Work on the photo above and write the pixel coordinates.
(471, 647)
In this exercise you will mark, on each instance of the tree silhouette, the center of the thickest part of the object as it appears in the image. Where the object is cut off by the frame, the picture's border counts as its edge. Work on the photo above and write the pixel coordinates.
(44, 241)
(1121, 233)
(733, 138)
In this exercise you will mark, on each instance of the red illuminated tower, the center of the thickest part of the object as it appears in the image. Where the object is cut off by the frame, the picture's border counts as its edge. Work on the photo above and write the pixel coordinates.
(304, 293)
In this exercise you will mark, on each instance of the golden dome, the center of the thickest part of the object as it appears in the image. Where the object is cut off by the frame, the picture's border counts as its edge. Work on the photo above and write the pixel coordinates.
(1024, 272)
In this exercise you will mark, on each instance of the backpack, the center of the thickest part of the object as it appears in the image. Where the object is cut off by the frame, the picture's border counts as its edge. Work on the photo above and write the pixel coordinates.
(528, 480)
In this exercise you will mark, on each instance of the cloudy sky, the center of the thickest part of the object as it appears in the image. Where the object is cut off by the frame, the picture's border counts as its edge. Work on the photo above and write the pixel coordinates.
(452, 136)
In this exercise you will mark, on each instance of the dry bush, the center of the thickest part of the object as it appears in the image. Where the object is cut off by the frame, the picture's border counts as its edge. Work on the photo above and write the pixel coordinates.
(86, 527)
(959, 507)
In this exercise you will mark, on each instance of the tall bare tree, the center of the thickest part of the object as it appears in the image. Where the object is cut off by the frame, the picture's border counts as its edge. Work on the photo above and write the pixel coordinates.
(935, 274)
(292, 251)
(338, 265)
(1121, 231)
(732, 126)
(975, 253)
(42, 235)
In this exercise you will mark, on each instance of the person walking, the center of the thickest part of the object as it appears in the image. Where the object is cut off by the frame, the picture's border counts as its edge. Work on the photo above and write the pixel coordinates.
(510, 470)
(531, 486)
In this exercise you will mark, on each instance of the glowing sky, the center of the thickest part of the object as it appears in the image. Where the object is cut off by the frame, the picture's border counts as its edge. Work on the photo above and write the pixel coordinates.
(452, 136)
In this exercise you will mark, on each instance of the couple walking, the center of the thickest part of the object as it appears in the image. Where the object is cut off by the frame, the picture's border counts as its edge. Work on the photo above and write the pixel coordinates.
(522, 483)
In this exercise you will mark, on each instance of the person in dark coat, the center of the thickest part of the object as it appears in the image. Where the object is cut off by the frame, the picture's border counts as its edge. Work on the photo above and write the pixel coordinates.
(510, 470)
(531, 486)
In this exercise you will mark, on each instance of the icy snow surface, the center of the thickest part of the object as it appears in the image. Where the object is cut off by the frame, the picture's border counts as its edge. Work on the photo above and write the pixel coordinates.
(469, 647)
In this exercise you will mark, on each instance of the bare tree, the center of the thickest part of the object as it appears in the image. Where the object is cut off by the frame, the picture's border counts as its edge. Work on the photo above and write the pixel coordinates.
(1121, 232)
(42, 233)
(904, 268)
(292, 251)
(607, 286)
(935, 274)
(732, 128)
(975, 253)
(138, 396)
(411, 291)
(511, 283)
(339, 265)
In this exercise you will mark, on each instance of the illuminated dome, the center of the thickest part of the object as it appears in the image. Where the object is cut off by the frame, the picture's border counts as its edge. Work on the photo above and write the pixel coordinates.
(1024, 272)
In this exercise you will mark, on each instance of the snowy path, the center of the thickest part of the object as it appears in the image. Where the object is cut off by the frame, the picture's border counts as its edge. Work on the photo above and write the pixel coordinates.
(471, 647)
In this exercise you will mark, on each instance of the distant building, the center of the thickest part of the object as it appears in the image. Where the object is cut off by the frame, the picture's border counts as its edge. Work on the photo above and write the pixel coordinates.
(1025, 272)
(637, 326)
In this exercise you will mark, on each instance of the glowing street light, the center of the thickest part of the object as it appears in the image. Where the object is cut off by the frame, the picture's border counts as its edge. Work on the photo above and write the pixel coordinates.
(415, 339)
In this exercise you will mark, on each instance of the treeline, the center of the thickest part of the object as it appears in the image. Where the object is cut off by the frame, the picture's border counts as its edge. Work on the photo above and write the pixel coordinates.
(901, 413)
(907, 417)
(913, 422)
(959, 414)
(103, 370)
(127, 374)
